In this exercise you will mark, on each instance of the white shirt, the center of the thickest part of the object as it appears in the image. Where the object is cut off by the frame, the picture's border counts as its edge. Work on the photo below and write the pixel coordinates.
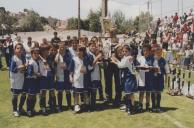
(73, 52)
(27, 49)
(17, 79)
(59, 70)
(78, 77)
(44, 67)
(141, 74)
(126, 63)
(95, 74)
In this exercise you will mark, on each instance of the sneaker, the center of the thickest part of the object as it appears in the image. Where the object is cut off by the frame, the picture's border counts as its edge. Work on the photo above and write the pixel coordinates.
(123, 108)
(154, 110)
(21, 111)
(129, 113)
(44, 111)
(16, 114)
(29, 113)
(140, 108)
(158, 110)
(76, 108)
(59, 109)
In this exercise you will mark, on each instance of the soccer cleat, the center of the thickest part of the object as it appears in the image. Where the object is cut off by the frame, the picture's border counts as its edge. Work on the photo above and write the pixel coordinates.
(140, 108)
(21, 111)
(123, 108)
(44, 111)
(76, 108)
(59, 109)
(29, 113)
(16, 114)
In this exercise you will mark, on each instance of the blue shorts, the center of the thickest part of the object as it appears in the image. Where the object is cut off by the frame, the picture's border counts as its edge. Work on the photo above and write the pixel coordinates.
(31, 86)
(16, 91)
(60, 86)
(79, 90)
(96, 84)
(47, 83)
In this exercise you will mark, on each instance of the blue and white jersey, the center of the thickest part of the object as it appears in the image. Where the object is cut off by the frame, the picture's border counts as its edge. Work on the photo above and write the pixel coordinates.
(126, 62)
(95, 74)
(59, 69)
(61, 61)
(16, 76)
(145, 77)
(44, 67)
(141, 74)
(76, 66)
(32, 69)
(162, 65)
(73, 52)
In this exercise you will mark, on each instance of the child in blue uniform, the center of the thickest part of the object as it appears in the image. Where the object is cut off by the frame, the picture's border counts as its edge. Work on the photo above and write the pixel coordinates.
(161, 69)
(130, 82)
(17, 69)
(145, 77)
(51, 88)
(32, 81)
(78, 73)
(47, 77)
(95, 74)
(63, 59)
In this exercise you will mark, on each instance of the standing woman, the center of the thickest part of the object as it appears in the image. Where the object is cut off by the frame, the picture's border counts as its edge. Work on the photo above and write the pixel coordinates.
(130, 83)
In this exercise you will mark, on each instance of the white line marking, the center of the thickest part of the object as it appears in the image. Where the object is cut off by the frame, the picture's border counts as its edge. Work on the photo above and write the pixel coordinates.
(174, 121)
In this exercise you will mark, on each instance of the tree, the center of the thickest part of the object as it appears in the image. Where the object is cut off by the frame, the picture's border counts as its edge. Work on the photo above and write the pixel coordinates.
(142, 22)
(52, 22)
(7, 20)
(123, 25)
(94, 21)
(44, 20)
(72, 23)
(32, 22)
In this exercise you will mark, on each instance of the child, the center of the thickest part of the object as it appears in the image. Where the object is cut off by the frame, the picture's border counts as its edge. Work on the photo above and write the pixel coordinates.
(95, 74)
(51, 88)
(17, 69)
(32, 81)
(145, 77)
(77, 77)
(161, 68)
(130, 84)
(63, 59)
(47, 78)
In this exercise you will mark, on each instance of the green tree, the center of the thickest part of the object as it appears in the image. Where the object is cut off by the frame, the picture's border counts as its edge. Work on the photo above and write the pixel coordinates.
(7, 20)
(72, 23)
(32, 22)
(94, 21)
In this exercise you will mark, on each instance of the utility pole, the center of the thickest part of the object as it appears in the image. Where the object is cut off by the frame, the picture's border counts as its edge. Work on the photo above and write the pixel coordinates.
(161, 8)
(148, 5)
(104, 8)
(104, 14)
(79, 19)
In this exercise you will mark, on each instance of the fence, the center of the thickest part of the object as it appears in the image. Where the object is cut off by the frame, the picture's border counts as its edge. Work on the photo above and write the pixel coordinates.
(179, 81)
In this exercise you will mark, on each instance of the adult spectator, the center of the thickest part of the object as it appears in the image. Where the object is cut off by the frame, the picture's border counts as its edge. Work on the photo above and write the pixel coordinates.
(8, 50)
(55, 39)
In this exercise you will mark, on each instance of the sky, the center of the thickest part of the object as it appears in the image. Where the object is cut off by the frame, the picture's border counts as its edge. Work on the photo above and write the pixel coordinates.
(64, 9)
